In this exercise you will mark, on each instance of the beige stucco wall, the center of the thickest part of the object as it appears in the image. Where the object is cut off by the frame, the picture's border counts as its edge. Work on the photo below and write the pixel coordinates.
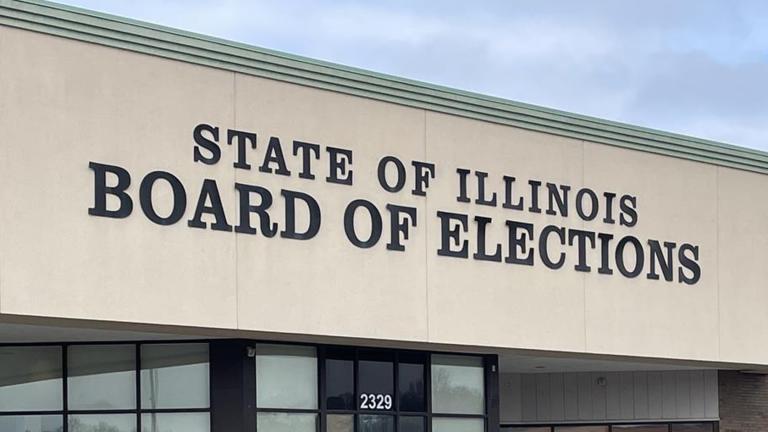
(64, 103)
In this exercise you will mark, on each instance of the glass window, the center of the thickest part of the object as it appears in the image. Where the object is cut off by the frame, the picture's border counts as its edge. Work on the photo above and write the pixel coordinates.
(582, 429)
(641, 428)
(32, 423)
(285, 422)
(340, 381)
(691, 427)
(101, 377)
(340, 423)
(30, 378)
(458, 385)
(410, 379)
(376, 423)
(444, 424)
(175, 422)
(526, 429)
(102, 422)
(412, 424)
(286, 376)
(174, 376)
(376, 378)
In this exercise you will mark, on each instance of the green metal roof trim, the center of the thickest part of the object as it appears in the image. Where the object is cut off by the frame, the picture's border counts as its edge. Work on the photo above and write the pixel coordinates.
(104, 29)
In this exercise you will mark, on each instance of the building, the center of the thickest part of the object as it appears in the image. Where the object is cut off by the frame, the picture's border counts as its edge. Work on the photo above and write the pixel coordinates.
(201, 236)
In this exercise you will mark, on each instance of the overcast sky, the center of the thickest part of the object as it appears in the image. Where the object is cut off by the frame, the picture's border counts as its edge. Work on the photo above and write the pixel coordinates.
(693, 67)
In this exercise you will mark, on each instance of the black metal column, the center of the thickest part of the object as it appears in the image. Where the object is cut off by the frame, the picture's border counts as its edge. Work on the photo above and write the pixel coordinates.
(232, 387)
(492, 392)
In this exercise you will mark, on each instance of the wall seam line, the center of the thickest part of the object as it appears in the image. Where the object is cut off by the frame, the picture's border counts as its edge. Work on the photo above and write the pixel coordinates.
(584, 276)
(717, 259)
(234, 233)
(2, 108)
(426, 234)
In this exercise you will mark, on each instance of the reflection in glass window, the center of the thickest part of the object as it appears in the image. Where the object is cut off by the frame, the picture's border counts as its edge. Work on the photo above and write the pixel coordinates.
(443, 424)
(340, 423)
(583, 429)
(411, 386)
(286, 376)
(102, 422)
(101, 377)
(286, 422)
(412, 424)
(30, 378)
(640, 428)
(175, 422)
(340, 381)
(526, 429)
(691, 427)
(377, 381)
(174, 376)
(457, 385)
(31, 423)
(376, 423)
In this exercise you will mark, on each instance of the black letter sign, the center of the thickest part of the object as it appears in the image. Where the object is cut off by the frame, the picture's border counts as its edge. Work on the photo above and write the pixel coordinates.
(179, 197)
(450, 235)
(290, 215)
(349, 223)
(397, 226)
(100, 191)
(210, 192)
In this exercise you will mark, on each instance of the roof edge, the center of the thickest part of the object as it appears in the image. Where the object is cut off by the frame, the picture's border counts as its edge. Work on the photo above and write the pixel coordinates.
(104, 29)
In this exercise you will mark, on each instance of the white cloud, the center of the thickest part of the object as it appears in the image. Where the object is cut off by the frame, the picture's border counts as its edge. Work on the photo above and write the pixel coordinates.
(687, 66)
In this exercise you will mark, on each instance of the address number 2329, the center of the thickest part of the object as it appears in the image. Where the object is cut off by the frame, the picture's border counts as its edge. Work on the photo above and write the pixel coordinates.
(375, 401)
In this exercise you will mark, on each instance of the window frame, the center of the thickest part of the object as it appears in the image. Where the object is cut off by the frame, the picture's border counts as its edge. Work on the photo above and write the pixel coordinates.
(489, 367)
(489, 361)
(252, 388)
(614, 426)
(65, 412)
(395, 412)
(486, 383)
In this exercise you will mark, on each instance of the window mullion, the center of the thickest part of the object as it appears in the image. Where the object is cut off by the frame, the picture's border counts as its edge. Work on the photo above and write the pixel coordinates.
(138, 387)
